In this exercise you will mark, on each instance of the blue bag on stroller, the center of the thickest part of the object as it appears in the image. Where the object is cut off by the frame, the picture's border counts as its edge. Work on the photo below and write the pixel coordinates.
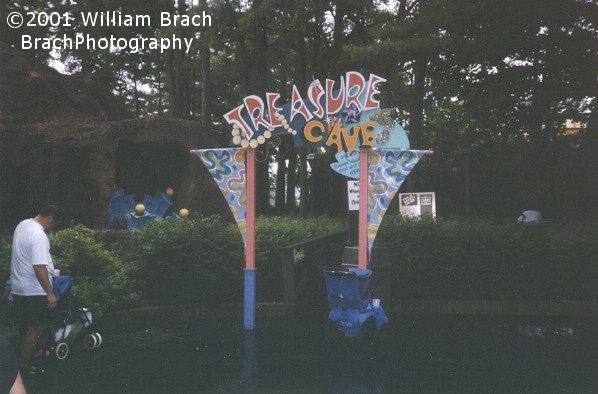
(8, 291)
(61, 285)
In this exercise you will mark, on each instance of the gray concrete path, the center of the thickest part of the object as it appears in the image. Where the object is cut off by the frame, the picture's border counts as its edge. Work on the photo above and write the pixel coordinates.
(413, 354)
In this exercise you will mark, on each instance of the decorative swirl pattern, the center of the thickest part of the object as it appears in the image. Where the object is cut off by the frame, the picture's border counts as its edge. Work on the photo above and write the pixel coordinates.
(217, 162)
(227, 167)
(388, 169)
(236, 186)
(376, 188)
(400, 164)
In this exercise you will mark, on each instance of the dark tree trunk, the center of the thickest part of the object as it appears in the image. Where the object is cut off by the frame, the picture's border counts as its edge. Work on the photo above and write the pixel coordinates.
(303, 182)
(291, 177)
(258, 84)
(204, 69)
(136, 98)
(300, 78)
(338, 37)
(4, 29)
(417, 108)
(279, 202)
(262, 192)
(176, 81)
(417, 111)
(177, 77)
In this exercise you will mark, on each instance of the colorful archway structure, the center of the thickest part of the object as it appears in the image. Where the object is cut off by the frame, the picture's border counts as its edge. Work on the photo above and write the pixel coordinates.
(369, 145)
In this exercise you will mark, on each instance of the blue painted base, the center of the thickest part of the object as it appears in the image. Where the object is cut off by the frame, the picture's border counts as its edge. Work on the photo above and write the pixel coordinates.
(249, 300)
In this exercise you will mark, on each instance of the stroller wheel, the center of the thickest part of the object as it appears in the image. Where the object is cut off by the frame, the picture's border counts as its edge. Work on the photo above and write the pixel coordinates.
(92, 341)
(61, 350)
(99, 339)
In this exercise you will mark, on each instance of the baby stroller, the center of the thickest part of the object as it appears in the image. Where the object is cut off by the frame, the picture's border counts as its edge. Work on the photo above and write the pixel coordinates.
(70, 322)
(352, 309)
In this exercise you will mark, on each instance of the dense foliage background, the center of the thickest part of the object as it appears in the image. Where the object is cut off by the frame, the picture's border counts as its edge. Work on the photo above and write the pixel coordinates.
(489, 85)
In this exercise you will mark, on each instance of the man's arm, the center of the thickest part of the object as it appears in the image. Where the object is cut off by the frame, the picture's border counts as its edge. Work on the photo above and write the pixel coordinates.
(41, 272)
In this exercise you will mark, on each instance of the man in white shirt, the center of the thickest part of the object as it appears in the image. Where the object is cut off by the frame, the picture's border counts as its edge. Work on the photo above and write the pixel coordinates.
(30, 272)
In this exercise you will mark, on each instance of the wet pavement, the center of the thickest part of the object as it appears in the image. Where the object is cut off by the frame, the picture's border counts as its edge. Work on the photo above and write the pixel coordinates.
(423, 354)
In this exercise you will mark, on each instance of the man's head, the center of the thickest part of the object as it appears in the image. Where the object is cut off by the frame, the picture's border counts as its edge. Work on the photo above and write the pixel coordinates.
(50, 216)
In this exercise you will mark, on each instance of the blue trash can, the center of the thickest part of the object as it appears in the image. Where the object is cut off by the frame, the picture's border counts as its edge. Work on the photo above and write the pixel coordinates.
(350, 301)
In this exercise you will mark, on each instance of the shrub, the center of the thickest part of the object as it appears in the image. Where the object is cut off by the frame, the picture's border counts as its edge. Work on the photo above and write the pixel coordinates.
(486, 260)
(173, 261)
(5, 248)
(190, 261)
(5, 318)
(201, 259)
(101, 279)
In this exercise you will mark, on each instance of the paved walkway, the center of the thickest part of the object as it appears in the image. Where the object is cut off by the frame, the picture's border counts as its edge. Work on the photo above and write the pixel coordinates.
(414, 354)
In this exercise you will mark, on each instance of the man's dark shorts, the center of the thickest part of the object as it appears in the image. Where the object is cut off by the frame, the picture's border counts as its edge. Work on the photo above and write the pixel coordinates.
(31, 311)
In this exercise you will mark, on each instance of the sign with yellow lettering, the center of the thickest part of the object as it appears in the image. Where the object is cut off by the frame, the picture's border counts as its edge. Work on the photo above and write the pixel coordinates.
(340, 115)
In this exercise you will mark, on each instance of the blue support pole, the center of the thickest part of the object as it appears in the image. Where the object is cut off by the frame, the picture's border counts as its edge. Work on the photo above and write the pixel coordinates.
(249, 300)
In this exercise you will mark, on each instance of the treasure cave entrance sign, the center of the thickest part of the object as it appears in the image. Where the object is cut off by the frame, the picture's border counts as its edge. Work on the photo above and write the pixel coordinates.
(342, 115)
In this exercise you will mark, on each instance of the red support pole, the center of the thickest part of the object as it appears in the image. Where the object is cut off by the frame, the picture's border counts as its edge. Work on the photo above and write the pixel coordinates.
(249, 273)
(250, 252)
(362, 239)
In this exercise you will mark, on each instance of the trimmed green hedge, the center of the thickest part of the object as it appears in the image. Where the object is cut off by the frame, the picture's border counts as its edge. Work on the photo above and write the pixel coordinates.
(456, 259)
(173, 261)
(189, 261)
(201, 260)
